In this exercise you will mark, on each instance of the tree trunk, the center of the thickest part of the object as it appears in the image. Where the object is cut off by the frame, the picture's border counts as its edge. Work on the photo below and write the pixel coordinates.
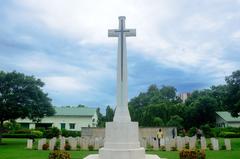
(1, 131)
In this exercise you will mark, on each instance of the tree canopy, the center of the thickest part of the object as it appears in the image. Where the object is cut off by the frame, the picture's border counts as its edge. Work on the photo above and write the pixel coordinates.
(22, 96)
(162, 107)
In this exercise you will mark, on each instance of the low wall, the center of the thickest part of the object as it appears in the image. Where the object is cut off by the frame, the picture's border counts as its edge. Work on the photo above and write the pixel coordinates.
(143, 132)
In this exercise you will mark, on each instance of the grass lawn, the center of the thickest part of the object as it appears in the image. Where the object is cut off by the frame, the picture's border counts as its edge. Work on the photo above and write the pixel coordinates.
(15, 149)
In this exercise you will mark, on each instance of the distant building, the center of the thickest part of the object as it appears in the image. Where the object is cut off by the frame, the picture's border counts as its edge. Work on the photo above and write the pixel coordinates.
(69, 118)
(184, 96)
(225, 119)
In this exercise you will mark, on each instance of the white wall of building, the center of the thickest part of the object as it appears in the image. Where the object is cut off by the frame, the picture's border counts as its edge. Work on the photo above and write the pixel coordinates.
(79, 121)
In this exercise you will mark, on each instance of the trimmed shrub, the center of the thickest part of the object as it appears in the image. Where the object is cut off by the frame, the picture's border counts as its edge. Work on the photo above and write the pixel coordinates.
(90, 147)
(57, 154)
(37, 133)
(229, 135)
(207, 131)
(210, 146)
(223, 147)
(52, 132)
(19, 136)
(67, 146)
(67, 133)
(174, 148)
(192, 154)
(45, 146)
(22, 131)
(192, 131)
(57, 145)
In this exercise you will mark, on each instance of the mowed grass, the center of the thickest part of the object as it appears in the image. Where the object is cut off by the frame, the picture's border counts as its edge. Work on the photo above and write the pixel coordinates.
(16, 149)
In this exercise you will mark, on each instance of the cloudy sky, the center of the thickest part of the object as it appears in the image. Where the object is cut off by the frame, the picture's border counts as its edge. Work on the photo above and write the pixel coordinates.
(189, 44)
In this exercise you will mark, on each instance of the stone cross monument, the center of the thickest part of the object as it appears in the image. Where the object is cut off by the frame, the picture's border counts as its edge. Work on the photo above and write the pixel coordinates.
(122, 135)
(122, 113)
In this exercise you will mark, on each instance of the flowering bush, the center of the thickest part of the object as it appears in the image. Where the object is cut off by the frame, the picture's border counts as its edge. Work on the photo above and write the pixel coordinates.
(57, 154)
(192, 154)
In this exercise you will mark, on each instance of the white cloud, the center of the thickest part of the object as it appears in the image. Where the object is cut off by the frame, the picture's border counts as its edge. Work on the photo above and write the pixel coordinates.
(188, 35)
(65, 84)
(236, 35)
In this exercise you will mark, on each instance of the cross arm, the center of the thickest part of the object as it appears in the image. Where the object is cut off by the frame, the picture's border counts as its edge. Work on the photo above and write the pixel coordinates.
(130, 32)
(112, 33)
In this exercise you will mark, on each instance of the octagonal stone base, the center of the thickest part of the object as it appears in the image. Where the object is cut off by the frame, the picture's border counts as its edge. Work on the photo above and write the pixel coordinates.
(146, 157)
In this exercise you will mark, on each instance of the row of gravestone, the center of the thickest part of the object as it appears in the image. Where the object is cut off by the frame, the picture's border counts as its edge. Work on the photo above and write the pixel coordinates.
(74, 143)
(179, 143)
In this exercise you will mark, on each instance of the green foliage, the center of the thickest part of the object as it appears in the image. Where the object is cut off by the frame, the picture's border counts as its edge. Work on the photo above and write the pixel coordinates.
(158, 122)
(192, 131)
(67, 146)
(210, 146)
(22, 96)
(22, 131)
(18, 136)
(207, 131)
(175, 121)
(57, 145)
(109, 114)
(52, 132)
(233, 91)
(11, 126)
(67, 133)
(101, 118)
(37, 133)
(90, 147)
(229, 134)
(57, 154)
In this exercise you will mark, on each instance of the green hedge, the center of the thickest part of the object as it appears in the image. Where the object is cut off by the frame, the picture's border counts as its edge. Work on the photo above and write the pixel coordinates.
(229, 135)
(19, 136)
(67, 133)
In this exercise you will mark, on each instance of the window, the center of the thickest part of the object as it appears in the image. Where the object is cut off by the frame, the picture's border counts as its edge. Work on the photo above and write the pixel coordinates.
(63, 125)
(71, 126)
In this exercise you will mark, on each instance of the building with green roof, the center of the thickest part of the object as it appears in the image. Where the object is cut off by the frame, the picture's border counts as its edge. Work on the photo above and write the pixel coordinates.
(225, 119)
(69, 118)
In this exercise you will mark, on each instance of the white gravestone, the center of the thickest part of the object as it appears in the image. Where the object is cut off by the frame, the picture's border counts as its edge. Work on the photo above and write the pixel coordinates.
(41, 142)
(73, 143)
(192, 143)
(162, 142)
(215, 144)
(122, 135)
(155, 144)
(84, 144)
(62, 143)
(227, 143)
(173, 143)
(179, 143)
(167, 144)
(203, 143)
(29, 143)
(52, 143)
(143, 142)
(187, 139)
(97, 143)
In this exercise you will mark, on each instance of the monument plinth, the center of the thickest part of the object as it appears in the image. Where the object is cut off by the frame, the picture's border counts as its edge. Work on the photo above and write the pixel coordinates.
(121, 135)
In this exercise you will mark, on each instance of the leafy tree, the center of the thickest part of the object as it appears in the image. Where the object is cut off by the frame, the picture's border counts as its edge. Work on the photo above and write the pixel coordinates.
(81, 106)
(175, 121)
(109, 114)
(22, 96)
(204, 112)
(158, 122)
(168, 93)
(233, 97)
(101, 119)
